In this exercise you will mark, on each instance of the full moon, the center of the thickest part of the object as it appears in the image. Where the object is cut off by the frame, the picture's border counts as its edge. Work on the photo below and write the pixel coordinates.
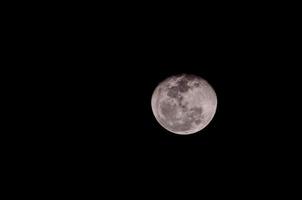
(184, 104)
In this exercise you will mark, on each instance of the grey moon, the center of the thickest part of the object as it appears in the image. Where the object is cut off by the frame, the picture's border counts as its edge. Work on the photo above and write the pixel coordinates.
(184, 104)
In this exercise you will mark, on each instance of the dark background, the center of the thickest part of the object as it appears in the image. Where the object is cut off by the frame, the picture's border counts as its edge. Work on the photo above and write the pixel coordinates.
(92, 75)
(108, 100)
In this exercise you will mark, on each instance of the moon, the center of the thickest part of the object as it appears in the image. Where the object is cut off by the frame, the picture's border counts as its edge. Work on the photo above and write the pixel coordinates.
(184, 104)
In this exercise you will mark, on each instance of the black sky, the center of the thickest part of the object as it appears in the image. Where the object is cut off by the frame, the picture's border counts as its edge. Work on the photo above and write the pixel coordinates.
(113, 102)
(109, 80)
(99, 74)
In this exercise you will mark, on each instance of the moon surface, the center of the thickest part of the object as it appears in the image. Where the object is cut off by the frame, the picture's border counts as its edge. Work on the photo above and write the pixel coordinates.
(184, 104)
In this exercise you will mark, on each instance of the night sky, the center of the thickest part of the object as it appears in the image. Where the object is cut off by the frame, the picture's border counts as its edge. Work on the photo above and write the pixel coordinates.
(108, 91)
(111, 125)
(99, 79)
(115, 106)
